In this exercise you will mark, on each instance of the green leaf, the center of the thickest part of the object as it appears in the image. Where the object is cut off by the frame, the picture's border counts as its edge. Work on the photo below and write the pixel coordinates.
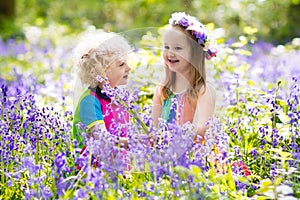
(211, 173)
(239, 44)
(283, 117)
(230, 179)
(266, 182)
(277, 181)
(243, 179)
(282, 154)
(250, 30)
(68, 194)
(265, 186)
(244, 52)
(195, 170)
(262, 198)
(250, 82)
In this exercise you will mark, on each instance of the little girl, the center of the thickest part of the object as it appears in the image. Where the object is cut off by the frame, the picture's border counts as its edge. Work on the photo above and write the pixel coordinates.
(104, 56)
(185, 94)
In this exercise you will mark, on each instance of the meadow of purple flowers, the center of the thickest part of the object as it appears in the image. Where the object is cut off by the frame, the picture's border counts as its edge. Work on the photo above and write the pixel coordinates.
(252, 149)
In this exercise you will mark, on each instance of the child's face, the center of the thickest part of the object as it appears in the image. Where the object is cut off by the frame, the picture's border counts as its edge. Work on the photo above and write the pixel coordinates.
(117, 72)
(176, 51)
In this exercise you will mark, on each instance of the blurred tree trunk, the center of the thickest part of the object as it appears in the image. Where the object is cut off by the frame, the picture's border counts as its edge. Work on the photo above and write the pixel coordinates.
(293, 20)
(7, 9)
(8, 28)
(187, 4)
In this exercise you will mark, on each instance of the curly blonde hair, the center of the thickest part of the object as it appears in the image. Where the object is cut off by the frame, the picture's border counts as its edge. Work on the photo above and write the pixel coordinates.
(98, 50)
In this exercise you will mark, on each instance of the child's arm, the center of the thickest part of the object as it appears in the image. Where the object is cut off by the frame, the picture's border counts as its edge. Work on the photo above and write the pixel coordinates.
(156, 106)
(205, 109)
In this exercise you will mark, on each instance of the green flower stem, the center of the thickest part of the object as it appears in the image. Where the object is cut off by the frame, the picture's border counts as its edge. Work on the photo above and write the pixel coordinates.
(274, 111)
(136, 116)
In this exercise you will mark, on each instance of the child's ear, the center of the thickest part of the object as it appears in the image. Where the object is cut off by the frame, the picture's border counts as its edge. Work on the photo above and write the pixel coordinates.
(107, 71)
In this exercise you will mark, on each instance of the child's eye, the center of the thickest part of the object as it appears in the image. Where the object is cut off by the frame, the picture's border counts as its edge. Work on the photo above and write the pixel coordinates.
(178, 48)
(166, 47)
(122, 64)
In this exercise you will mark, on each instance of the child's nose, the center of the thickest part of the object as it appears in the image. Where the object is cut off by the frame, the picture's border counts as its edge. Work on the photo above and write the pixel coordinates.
(128, 68)
(171, 53)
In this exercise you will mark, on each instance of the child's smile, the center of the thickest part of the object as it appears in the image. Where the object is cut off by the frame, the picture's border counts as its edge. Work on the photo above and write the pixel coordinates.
(176, 52)
(173, 61)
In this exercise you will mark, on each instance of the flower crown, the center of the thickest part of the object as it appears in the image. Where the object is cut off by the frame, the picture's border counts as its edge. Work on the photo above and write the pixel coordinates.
(197, 29)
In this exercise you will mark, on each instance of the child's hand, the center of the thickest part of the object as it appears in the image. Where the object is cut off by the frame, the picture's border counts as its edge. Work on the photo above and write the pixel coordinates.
(123, 141)
(151, 140)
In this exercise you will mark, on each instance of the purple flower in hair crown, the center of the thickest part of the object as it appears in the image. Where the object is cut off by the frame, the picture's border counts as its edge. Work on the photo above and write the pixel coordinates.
(197, 29)
(184, 22)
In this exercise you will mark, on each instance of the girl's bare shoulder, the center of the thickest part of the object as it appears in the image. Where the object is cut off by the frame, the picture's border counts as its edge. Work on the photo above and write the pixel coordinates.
(209, 91)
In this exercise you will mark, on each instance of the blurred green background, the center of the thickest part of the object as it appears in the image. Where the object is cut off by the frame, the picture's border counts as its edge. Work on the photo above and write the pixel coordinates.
(277, 21)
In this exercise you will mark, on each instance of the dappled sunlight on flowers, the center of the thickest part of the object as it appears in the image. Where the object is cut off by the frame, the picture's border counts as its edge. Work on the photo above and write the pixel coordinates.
(250, 150)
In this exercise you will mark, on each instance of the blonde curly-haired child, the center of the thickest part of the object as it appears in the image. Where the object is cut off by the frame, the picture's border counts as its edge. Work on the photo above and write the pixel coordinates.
(100, 55)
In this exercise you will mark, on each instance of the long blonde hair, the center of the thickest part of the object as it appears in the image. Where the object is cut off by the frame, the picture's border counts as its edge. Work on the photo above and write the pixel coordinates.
(197, 70)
